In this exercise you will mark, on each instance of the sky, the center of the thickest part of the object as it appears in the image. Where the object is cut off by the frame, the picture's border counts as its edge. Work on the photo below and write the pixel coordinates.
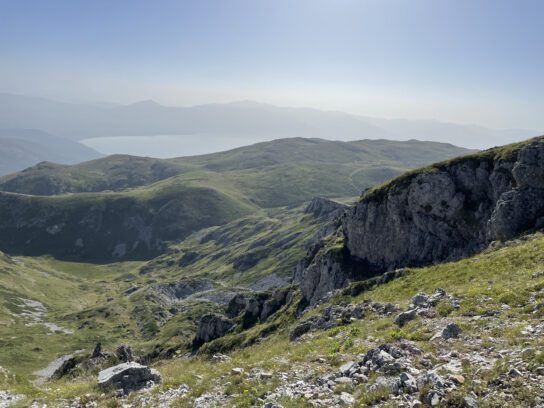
(464, 61)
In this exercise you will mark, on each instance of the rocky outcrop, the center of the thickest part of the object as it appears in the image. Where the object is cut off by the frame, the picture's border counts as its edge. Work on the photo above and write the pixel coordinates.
(178, 291)
(211, 327)
(324, 208)
(253, 307)
(444, 212)
(128, 377)
(450, 210)
(327, 266)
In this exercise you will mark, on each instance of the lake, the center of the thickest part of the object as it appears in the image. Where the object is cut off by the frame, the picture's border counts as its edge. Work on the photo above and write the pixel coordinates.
(166, 146)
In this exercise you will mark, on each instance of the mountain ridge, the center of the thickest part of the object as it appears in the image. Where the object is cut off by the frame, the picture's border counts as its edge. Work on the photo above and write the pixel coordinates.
(130, 206)
(252, 121)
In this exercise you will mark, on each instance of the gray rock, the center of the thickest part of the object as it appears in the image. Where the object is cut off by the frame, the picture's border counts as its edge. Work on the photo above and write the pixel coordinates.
(451, 331)
(432, 379)
(404, 317)
(433, 398)
(220, 358)
(272, 405)
(408, 382)
(470, 402)
(420, 299)
(514, 372)
(384, 383)
(346, 399)
(212, 326)
(321, 207)
(128, 377)
(345, 368)
(333, 316)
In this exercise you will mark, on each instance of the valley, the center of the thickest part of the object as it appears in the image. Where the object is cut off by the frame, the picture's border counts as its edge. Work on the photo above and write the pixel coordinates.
(271, 204)
(280, 298)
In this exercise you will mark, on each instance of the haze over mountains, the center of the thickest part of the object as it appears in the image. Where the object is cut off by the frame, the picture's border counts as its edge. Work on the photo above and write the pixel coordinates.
(214, 127)
(22, 148)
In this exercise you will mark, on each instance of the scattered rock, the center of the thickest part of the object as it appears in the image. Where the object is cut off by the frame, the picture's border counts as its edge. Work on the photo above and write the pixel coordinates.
(470, 402)
(420, 299)
(347, 399)
(514, 372)
(451, 331)
(220, 358)
(338, 315)
(405, 317)
(346, 368)
(7, 399)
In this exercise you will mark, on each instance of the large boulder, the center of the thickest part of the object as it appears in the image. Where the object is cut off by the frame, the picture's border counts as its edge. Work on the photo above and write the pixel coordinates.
(128, 377)
(211, 327)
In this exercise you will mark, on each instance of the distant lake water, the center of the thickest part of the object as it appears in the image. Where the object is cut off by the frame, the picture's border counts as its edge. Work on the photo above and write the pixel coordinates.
(166, 146)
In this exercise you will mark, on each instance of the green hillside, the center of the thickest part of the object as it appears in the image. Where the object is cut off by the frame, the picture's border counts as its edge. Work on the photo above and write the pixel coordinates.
(123, 207)
(130, 224)
(498, 292)
(343, 167)
(123, 302)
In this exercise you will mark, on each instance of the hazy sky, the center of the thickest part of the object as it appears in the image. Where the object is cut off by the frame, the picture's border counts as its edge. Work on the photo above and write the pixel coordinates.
(470, 61)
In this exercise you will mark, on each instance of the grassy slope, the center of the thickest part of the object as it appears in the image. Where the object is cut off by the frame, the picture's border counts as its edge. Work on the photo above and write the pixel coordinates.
(93, 299)
(63, 288)
(172, 208)
(483, 282)
(282, 172)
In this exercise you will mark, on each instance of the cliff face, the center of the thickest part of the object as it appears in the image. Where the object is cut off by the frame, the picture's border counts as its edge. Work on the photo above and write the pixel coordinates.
(450, 211)
(444, 212)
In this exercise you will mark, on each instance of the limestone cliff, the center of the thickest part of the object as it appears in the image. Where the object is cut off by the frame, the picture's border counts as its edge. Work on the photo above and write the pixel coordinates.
(443, 212)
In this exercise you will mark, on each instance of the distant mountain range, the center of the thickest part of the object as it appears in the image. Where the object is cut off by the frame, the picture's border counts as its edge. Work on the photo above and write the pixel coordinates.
(21, 148)
(256, 121)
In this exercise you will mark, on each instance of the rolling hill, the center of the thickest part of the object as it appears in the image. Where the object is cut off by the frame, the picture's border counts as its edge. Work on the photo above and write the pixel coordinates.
(72, 212)
(458, 328)
(347, 167)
